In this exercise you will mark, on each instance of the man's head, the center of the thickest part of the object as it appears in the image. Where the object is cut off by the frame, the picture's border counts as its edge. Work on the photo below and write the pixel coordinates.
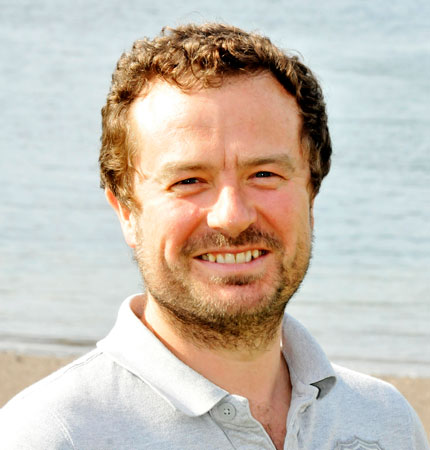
(204, 56)
(215, 168)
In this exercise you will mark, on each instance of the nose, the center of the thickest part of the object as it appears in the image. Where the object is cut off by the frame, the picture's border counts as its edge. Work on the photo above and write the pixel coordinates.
(231, 213)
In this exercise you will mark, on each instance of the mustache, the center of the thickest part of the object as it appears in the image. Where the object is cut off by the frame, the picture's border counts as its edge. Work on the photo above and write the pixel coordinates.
(251, 235)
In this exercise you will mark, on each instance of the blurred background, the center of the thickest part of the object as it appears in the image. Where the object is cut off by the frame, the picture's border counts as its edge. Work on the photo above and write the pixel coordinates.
(64, 268)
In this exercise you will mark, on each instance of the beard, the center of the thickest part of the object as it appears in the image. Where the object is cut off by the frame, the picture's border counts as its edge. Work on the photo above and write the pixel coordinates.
(198, 314)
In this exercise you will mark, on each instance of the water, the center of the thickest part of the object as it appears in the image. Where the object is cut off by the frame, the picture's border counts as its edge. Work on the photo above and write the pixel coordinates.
(64, 268)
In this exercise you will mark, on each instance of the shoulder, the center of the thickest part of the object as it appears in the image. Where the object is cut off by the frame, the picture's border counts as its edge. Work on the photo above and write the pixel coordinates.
(362, 388)
(58, 384)
(34, 419)
(363, 398)
(86, 404)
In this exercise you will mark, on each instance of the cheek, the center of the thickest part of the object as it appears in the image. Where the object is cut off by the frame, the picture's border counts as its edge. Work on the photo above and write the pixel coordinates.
(172, 224)
(288, 214)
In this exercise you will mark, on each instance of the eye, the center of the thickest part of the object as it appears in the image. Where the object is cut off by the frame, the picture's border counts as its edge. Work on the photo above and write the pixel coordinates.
(188, 186)
(187, 181)
(264, 174)
(265, 179)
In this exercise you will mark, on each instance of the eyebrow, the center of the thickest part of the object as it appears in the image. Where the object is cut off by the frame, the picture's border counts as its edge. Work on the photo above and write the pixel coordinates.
(174, 167)
(284, 160)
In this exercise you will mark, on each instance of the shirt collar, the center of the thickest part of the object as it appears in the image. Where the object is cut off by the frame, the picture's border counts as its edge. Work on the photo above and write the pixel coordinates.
(134, 347)
(307, 362)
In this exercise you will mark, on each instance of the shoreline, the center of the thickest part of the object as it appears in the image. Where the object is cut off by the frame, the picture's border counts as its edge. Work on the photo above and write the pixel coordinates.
(17, 371)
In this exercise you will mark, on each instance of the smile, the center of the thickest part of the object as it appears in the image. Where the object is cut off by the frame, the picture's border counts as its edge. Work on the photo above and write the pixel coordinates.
(233, 258)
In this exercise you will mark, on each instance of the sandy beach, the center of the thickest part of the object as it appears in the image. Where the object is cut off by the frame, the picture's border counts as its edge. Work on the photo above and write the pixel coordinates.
(19, 371)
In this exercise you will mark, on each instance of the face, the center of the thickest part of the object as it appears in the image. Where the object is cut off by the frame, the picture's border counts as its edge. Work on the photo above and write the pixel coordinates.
(224, 228)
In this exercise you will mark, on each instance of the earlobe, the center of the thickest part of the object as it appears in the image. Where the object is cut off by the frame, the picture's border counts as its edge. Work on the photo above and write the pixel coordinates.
(125, 216)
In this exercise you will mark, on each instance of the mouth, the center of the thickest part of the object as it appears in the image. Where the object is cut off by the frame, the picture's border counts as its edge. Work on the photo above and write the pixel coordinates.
(233, 258)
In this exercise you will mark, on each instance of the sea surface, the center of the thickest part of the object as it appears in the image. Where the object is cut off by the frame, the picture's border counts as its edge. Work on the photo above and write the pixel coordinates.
(64, 268)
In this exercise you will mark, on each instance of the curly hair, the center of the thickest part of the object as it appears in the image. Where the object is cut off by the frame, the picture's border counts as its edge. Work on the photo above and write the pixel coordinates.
(201, 57)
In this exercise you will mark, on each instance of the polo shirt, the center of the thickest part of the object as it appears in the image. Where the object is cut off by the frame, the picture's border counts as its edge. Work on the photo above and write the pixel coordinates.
(131, 392)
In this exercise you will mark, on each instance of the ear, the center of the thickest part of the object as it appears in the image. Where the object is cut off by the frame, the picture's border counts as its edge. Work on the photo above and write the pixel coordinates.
(311, 212)
(126, 218)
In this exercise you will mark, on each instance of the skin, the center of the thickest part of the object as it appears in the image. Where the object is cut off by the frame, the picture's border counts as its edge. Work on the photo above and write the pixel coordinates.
(222, 171)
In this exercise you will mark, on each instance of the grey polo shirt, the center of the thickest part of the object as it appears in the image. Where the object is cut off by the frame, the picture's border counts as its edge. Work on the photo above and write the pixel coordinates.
(133, 393)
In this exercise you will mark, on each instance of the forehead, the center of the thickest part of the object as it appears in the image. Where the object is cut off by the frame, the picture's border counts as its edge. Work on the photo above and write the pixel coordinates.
(247, 114)
(260, 90)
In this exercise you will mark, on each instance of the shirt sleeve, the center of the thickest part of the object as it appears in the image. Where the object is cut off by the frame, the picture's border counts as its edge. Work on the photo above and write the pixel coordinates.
(31, 429)
(418, 435)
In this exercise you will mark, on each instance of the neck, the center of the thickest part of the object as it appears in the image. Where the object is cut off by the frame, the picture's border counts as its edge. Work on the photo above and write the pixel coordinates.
(259, 373)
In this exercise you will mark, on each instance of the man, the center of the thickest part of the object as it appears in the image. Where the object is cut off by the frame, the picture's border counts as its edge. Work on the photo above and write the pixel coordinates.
(214, 147)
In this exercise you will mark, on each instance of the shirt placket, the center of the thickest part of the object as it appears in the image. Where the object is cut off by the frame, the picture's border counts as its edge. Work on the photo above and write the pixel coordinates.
(294, 424)
(233, 416)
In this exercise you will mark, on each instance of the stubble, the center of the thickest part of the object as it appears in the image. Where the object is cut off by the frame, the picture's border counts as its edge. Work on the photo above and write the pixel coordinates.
(199, 316)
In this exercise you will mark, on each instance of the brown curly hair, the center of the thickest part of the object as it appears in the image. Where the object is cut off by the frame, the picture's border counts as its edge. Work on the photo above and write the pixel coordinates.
(202, 56)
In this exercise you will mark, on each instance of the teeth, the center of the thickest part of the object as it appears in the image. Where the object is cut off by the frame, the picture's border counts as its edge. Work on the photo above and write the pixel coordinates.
(219, 258)
(230, 258)
(240, 258)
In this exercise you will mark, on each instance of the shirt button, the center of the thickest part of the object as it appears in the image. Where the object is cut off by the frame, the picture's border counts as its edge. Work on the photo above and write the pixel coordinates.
(227, 411)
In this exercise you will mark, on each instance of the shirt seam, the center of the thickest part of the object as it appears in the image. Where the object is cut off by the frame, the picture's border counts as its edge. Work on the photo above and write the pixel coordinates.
(64, 430)
(75, 365)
